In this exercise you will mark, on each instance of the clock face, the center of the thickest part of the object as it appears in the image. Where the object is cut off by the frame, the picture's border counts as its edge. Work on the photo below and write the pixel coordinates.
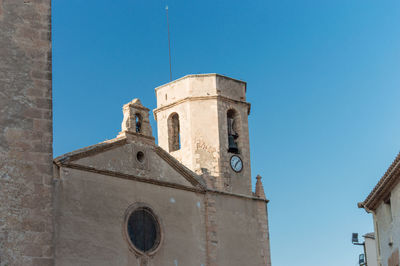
(236, 163)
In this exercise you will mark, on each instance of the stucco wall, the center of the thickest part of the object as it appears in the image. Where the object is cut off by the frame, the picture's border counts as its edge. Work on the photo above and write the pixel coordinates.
(370, 250)
(25, 133)
(388, 226)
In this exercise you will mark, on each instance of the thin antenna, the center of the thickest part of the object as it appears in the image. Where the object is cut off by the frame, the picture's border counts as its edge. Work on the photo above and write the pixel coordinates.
(169, 46)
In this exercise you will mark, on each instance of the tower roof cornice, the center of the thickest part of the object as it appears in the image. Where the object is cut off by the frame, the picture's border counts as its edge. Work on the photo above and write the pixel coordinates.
(200, 76)
(204, 98)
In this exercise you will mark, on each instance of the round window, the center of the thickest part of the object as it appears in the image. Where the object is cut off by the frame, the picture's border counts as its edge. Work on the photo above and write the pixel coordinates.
(140, 156)
(143, 230)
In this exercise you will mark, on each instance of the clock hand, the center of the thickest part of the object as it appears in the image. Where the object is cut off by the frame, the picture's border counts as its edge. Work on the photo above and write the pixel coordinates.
(236, 163)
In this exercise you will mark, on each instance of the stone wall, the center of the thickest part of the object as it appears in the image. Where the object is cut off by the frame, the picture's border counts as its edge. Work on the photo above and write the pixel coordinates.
(237, 231)
(26, 228)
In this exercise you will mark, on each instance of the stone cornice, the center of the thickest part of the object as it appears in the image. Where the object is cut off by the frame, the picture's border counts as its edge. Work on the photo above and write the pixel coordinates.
(213, 191)
(129, 177)
(200, 98)
(137, 104)
(154, 181)
(201, 75)
(385, 185)
(90, 150)
(102, 146)
(199, 186)
(136, 107)
(67, 159)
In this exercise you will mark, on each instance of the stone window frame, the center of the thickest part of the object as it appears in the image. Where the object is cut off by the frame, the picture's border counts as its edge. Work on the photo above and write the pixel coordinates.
(144, 157)
(174, 140)
(160, 235)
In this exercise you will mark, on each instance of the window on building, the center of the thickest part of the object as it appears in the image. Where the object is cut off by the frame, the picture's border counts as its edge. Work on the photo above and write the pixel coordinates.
(174, 137)
(233, 135)
(138, 123)
(388, 207)
(143, 230)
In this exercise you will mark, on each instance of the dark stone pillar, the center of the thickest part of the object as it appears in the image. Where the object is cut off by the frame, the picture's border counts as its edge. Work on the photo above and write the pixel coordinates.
(26, 214)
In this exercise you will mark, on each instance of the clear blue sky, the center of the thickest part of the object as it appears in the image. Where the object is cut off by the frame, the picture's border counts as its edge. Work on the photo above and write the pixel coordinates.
(323, 80)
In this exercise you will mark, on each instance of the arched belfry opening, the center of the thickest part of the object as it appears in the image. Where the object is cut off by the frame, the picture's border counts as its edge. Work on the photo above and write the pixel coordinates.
(233, 131)
(174, 136)
(138, 123)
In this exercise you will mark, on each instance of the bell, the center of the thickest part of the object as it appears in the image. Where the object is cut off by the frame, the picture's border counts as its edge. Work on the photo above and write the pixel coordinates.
(138, 127)
(232, 146)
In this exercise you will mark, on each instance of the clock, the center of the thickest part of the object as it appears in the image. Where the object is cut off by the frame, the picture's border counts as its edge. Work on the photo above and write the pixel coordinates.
(236, 163)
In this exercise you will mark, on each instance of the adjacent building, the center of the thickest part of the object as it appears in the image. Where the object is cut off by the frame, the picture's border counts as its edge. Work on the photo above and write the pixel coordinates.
(384, 204)
(370, 249)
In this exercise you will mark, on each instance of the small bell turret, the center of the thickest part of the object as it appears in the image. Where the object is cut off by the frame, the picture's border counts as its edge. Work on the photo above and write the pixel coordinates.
(136, 120)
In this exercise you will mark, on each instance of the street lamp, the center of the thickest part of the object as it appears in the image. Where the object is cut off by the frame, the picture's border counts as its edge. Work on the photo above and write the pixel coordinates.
(362, 259)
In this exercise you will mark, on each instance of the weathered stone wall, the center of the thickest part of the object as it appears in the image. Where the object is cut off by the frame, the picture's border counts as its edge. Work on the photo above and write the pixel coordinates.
(91, 208)
(387, 227)
(26, 228)
(237, 231)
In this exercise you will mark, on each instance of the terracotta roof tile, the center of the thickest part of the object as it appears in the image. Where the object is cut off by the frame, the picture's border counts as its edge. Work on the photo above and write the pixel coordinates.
(384, 186)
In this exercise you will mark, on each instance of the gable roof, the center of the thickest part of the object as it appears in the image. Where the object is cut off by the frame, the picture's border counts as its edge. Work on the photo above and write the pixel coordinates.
(384, 186)
(68, 158)
(89, 150)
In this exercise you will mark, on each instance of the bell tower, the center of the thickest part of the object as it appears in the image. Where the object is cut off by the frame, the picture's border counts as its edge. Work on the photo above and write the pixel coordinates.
(202, 122)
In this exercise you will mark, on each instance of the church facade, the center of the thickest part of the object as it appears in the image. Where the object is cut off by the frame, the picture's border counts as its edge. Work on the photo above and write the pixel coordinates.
(186, 201)
(126, 201)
